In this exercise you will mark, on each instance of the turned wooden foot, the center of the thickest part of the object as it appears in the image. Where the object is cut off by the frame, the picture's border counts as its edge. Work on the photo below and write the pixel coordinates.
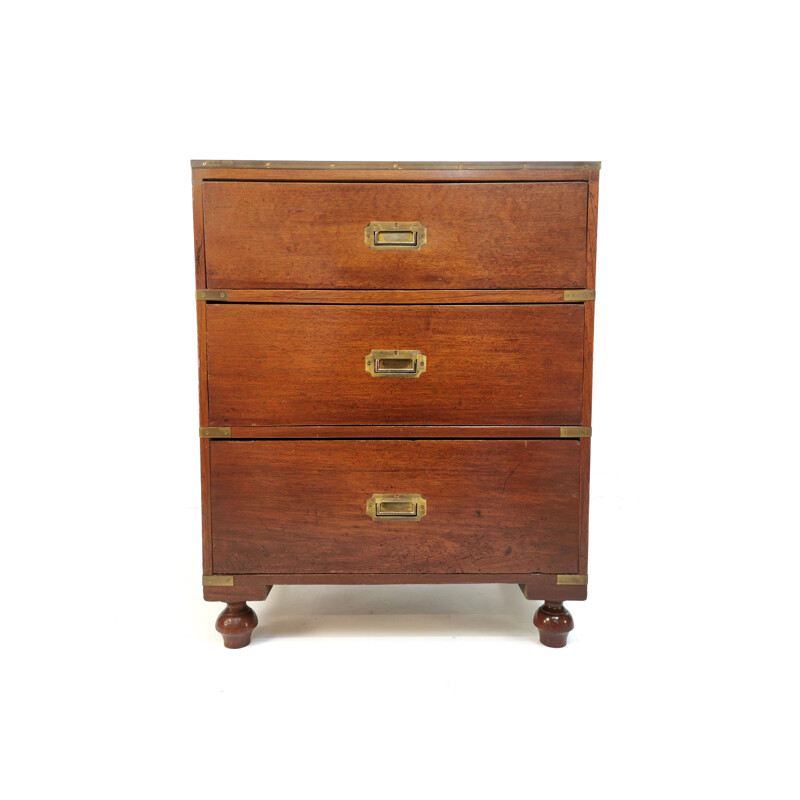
(236, 624)
(554, 623)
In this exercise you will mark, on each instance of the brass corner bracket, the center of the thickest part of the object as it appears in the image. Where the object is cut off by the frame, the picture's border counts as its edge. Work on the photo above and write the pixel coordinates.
(572, 580)
(573, 432)
(215, 433)
(211, 294)
(217, 580)
(579, 295)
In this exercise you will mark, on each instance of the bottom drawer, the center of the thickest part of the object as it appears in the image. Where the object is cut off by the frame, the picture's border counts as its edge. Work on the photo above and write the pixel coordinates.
(482, 506)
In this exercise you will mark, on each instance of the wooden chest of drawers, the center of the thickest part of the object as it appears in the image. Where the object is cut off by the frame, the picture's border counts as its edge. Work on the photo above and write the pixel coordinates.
(395, 377)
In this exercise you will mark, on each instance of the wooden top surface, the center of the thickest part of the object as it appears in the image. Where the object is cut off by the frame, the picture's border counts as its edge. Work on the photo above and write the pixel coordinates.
(391, 165)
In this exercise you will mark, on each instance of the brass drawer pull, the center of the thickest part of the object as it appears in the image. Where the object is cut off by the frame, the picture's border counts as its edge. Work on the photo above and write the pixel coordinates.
(395, 363)
(396, 506)
(395, 235)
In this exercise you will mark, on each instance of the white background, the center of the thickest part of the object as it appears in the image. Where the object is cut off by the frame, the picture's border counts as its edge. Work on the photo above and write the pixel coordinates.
(680, 677)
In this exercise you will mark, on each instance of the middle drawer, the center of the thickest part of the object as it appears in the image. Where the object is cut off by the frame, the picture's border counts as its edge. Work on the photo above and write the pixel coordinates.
(475, 364)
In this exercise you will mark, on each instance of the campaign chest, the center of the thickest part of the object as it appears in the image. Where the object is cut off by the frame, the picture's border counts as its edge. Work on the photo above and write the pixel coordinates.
(395, 377)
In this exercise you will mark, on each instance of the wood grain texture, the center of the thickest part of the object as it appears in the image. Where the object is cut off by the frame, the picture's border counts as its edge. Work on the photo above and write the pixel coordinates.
(583, 541)
(588, 374)
(299, 506)
(285, 244)
(536, 589)
(202, 368)
(304, 365)
(255, 585)
(397, 432)
(591, 234)
(205, 504)
(197, 220)
(249, 589)
(395, 296)
(202, 363)
(311, 235)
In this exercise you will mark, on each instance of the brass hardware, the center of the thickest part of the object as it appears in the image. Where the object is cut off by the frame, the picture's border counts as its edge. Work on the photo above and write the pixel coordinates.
(575, 432)
(215, 433)
(217, 580)
(570, 295)
(211, 294)
(397, 506)
(395, 235)
(572, 580)
(395, 363)
(442, 165)
(578, 295)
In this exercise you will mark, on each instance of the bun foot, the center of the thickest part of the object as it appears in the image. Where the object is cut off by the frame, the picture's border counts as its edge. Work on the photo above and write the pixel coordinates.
(554, 623)
(236, 624)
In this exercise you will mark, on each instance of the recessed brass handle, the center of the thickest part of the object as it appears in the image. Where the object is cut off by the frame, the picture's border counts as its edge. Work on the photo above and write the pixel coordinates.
(395, 235)
(397, 507)
(395, 363)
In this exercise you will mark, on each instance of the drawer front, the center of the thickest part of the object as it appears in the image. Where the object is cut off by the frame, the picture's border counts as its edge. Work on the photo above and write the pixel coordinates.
(301, 506)
(308, 364)
(477, 235)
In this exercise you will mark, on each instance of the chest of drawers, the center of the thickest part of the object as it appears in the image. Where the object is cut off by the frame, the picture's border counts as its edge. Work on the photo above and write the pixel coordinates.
(395, 377)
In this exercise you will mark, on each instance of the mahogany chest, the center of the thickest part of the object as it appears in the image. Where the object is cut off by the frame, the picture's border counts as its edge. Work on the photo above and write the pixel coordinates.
(395, 377)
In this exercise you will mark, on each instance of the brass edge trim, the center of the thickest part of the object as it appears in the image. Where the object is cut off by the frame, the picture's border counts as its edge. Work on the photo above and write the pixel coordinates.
(572, 580)
(217, 580)
(578, 295)
(211, 294)
(389, 165)
(575, 432)
(215, 433)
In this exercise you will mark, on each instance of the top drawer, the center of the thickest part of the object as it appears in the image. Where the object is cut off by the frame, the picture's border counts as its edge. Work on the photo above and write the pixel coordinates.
(281, 235)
